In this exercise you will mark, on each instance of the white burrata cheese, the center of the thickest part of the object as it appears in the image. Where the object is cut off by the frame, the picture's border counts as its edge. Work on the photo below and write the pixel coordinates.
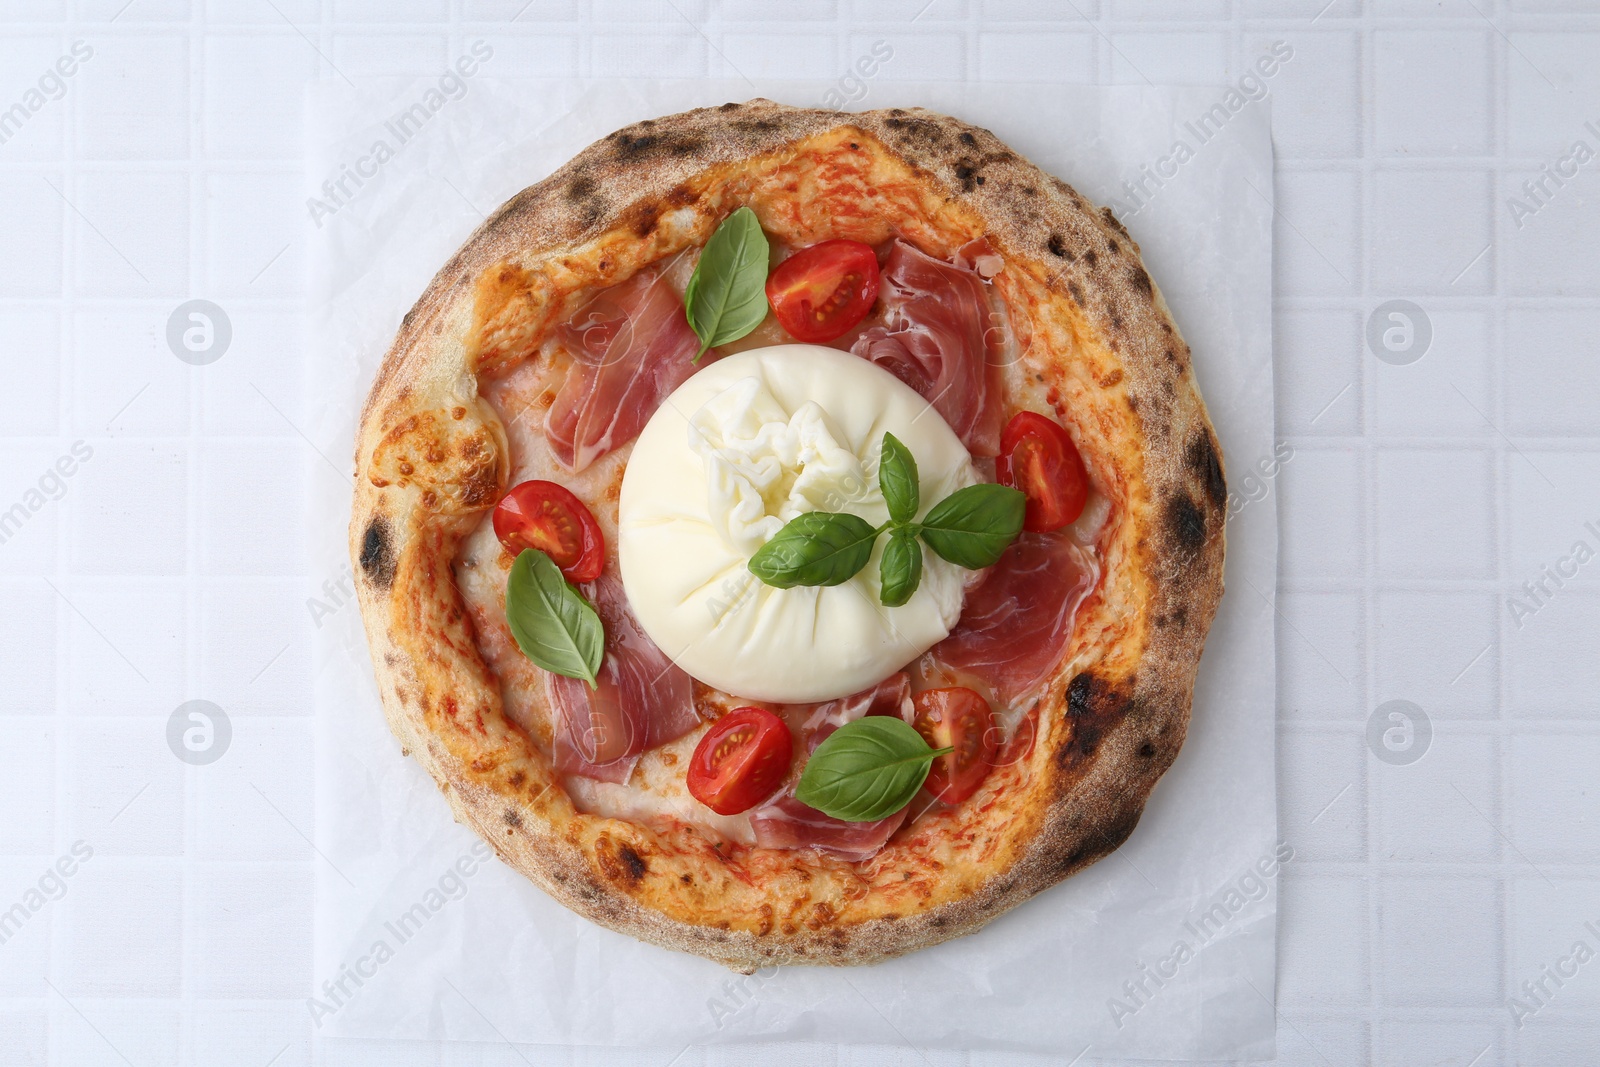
(736, 452)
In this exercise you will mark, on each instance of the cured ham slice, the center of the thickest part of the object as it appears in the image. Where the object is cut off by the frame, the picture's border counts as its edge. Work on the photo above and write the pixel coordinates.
(892, 696)
(787, 823)
(1016, 624)
(631, 346)
(643, 698)
(784, 822)
(936, 337)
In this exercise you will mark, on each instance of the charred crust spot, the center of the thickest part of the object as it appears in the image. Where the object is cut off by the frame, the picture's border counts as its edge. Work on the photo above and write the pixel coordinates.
(729, 106)
(516, 779)
(1057, 246)
(967, 176)
(681, 196)
(1116, 320)
(1090, 259)
(1115, 223)
(1140, 280)
(1080, 694)
(633, 863)
(634, 147)
(377, 554)
(1075, 291)
(1207, 466)
(514, 818)
(686, 878)
(1093, 706)
(927, 132)
(582, 188)
(1103, 842)
(966, 138)
(1111, 246)
(1147, 750)
(644, 219)
(1185, 522)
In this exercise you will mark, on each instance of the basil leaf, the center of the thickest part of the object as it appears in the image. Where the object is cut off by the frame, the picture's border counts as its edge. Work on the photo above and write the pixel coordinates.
(817, 548)
(727, 294)
(897, 477)
(554, 626)
(972, 526)
(866, 770)
(900, 569)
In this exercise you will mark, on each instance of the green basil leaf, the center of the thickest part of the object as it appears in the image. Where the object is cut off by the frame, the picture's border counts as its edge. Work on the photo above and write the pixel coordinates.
(972, 526)
(554, 626)
(897, 477)
(866, 770)
(727, 294)
(817, 548)
(900, 569)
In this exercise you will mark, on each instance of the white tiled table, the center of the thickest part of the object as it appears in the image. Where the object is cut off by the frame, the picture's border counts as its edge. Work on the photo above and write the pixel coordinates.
(1418, 501)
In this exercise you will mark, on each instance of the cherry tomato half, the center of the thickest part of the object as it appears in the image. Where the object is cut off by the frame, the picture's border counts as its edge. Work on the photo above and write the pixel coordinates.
(741, 761)
(822, 291)
(960, 719)
(1038, 457)
(545, 516)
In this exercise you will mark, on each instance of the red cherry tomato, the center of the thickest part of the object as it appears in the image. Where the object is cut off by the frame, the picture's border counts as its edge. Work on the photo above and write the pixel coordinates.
(545, 516)
(1038, 457)
(822, 291)
(741, 761)
(960, 719)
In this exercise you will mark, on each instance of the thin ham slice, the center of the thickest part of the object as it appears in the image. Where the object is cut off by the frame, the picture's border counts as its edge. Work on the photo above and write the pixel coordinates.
(1016, 624)
(643, 699)
(784, 822)
(631, 346)
(936, 337)
(787, 823)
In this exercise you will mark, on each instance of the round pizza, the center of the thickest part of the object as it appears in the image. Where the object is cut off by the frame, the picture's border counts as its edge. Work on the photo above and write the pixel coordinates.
(789, 536)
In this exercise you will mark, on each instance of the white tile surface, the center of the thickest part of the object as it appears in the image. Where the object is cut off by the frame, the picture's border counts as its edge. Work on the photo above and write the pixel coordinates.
(170, 168)
(1433, 92)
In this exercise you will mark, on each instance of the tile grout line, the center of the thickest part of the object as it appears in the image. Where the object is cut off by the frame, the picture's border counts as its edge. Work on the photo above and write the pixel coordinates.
(194, 643)
(55, 1019)
(1500, 137)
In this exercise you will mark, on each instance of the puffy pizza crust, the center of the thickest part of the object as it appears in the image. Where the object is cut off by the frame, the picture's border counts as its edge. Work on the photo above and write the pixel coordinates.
(1093, 333)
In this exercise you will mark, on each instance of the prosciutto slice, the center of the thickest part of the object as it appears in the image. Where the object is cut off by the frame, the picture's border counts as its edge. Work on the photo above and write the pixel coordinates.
(631, 346)
(1016, 624)
(784, 822)
(936, 336)
(643, 699)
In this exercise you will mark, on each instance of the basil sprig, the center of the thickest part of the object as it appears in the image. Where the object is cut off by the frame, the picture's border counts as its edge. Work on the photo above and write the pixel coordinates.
(900, 569)
(553, 624)
(971, 528)
(897, 478)
(817, 548)
(866, 770)
(727, 294)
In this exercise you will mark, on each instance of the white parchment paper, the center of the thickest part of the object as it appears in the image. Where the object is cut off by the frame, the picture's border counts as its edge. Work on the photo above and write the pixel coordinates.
(1163, 950)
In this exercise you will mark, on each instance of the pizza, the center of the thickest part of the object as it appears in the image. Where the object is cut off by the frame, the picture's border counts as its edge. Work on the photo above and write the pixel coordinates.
(789, 536)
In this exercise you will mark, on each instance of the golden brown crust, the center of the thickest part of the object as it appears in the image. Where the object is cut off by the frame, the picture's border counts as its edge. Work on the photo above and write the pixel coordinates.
(431, 457)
